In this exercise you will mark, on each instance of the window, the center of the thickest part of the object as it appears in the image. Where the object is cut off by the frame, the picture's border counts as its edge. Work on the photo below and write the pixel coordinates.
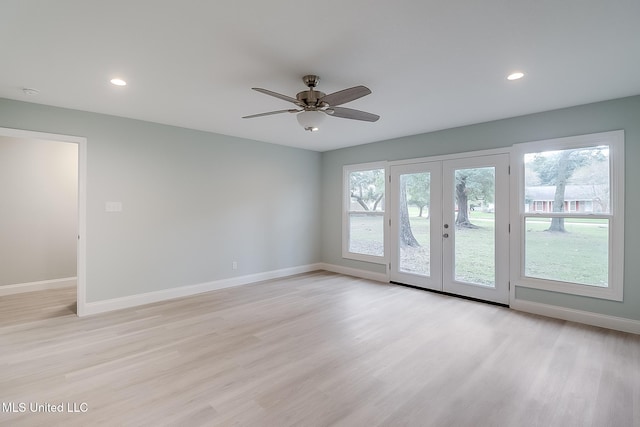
(539, 206)
(364, 212)
(576, 244)
(587, 206)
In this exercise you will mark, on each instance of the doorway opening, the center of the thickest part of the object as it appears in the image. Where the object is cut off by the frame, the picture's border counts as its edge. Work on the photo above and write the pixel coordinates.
(44, 219)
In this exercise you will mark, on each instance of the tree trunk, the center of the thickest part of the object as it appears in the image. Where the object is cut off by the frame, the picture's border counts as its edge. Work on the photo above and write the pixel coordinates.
(420, 214)
(406, 235)
(360, 202)
(375, 205)
(557, 224)
(462, 220)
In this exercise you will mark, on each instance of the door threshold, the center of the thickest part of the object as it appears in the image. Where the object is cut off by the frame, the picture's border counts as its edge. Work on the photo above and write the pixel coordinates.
(451, 295)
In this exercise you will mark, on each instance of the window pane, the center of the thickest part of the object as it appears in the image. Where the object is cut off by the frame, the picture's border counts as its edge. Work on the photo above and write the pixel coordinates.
(575, 180)
(367, 190)
(475, 226)
(366, 235)
(579, 254)
(415, 238)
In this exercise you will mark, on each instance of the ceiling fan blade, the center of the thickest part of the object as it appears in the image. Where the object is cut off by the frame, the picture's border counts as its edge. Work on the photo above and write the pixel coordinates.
(349, 113)
(276, 94)
(270, 113)
(346, 95)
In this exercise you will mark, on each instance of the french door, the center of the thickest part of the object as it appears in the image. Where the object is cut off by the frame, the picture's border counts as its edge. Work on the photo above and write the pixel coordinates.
(450, 226)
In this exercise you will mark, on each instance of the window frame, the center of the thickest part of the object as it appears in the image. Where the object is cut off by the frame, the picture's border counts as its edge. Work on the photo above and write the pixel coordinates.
(614, 289)
(347, 212)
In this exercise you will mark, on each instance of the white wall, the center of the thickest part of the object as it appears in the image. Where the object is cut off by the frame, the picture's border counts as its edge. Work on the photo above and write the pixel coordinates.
(38, 210)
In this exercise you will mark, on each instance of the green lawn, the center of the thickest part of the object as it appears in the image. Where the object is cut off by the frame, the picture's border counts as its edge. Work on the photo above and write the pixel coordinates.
(475, 253)
(366, 234)
(580, 255)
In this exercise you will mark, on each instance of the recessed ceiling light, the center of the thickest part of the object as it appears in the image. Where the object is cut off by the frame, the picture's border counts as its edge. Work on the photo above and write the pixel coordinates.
(515, 76)
(118, 82)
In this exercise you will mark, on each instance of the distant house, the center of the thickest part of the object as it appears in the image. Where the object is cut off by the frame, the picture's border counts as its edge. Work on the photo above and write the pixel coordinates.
(577, 198)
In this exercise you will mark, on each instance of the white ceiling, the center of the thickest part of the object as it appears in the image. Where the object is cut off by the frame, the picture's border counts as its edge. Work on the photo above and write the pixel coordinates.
(430, 64)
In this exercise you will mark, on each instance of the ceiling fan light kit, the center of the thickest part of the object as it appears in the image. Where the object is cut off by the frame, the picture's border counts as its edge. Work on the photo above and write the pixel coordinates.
(315, 105)
(311, 120)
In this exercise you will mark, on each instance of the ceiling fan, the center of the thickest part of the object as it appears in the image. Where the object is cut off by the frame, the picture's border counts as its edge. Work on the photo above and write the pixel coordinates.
(314, 106)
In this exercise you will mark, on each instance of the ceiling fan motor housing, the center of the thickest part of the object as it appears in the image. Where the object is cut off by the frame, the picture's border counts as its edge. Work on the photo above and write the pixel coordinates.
(310, 98)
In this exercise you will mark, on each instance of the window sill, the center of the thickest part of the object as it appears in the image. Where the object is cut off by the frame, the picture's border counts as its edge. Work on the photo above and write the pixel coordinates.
(366, 258)
(609, 293)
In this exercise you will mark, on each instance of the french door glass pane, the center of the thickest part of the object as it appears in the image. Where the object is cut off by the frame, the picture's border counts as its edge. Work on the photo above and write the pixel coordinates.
(577, 254)
(414, 238)
(475, 226)
(366, 233)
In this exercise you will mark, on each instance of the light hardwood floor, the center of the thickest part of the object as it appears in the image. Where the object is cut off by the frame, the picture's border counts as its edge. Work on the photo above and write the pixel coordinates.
(318, 349)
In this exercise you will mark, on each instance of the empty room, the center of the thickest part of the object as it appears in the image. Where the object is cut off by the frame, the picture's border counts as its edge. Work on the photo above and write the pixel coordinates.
(287, 213)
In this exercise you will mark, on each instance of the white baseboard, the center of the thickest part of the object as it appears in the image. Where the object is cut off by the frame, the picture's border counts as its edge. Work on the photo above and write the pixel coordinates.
(355, 272)
(184, 291)
(579, 316)
(42, 285)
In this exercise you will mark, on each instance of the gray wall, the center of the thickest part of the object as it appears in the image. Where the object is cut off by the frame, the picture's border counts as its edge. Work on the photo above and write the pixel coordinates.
(192, 201)
(38, 210)
(599, 117)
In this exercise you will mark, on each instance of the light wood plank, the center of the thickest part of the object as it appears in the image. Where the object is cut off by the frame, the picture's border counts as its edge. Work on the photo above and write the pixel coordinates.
(317, 349)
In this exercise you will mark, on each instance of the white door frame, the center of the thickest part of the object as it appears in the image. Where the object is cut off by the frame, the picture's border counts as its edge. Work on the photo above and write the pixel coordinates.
(82, 201)
(502, 253)
(500, 291)
(434, 280)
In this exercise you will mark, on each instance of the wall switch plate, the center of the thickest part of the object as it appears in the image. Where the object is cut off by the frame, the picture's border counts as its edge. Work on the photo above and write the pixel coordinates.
(113, 207)
(234, 265)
